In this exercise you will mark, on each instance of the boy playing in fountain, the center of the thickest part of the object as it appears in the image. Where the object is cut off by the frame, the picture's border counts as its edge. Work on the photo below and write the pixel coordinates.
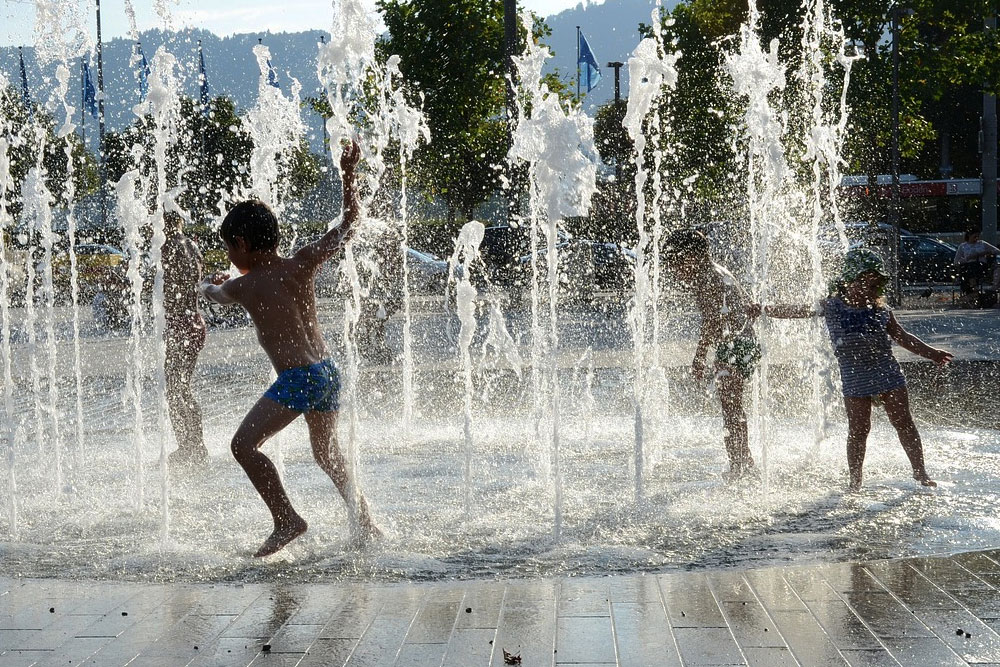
(184, 338)
(860, 328)
(725, 326)
(278, 292)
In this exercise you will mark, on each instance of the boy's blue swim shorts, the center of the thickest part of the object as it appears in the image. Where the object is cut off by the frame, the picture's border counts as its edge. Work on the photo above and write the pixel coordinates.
(314, 388)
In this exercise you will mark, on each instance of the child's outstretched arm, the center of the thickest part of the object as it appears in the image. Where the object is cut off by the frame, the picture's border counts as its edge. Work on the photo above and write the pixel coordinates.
(908, 341)
(326, 247)
(214, 288)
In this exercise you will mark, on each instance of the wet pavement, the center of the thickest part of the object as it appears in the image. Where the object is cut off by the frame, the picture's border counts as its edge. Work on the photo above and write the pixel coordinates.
(909, 612)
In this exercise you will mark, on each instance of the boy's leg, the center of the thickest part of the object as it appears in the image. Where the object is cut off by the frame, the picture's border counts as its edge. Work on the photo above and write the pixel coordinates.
(897, 408)
(859, 423)
(326, 451)
(265, 419)
(734, 420)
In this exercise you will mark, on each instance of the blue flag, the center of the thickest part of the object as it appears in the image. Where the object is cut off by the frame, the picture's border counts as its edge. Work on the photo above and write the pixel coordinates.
(591, 72)
(143, 73)
(202, 81)
(272, 76)
(25, 97)
(89, 96)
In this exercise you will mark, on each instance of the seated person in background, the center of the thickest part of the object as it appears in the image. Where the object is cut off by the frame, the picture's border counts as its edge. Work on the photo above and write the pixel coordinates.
(975, 259)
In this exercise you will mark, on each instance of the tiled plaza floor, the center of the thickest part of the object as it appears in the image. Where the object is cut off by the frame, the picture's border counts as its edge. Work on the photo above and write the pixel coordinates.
(923, 611)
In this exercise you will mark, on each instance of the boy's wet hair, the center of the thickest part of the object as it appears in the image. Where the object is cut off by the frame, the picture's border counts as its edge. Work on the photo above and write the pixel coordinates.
(972, 231)
(685, 243)
(254, 222)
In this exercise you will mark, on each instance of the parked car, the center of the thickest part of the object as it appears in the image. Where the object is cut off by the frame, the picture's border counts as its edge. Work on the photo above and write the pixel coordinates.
(95, 265)
(921, 259)
(587, 266)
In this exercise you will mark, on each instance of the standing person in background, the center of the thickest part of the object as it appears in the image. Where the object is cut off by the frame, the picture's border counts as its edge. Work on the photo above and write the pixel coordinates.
(976, 260)
(184, 338)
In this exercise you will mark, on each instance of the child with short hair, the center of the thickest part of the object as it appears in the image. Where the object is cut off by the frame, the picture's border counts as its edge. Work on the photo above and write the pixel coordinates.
(860, 327)
(279, 294)
(726, 326)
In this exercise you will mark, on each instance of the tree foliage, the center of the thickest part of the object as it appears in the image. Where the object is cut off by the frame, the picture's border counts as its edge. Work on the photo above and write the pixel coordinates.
(211, 157)
(28, 127)
(452, 61)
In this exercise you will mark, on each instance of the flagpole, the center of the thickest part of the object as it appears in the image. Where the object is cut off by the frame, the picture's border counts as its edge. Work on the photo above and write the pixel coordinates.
(577, 64)
(203, 103)
(83, 107)
(102, 168)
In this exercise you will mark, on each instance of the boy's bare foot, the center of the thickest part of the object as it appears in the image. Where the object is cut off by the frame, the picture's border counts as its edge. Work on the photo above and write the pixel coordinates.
(281, 536)
(855, 485)
(924, 479)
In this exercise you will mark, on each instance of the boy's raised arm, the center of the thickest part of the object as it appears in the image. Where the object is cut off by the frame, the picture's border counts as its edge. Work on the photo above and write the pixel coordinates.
(326, 247)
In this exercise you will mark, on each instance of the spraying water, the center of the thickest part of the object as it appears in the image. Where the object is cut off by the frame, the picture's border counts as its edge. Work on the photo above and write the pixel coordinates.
(557, 143)
(651, 69)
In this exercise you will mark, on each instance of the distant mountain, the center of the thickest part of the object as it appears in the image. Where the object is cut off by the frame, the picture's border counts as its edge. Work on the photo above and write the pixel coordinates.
(229, 63)
(611, 29)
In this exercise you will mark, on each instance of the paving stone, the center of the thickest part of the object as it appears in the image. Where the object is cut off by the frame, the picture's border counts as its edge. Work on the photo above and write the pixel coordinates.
(329, 653)
(886, 616)
(901, 612)
(912, 588)
(842, 625)
(640, 588)
(751, 625)
(769, 657)
(693, 605)
(774, 592)
(708, 646)
(914, 651)
(355, 614)
(585, 598)
(869, 658)
(584, 639)
(643, 636)
(947, 574)
(978, 562)
(807, 640)
(982, 646)
(436, 619)
(228, 651)
(485, 606)
(470, 647)
(527, 628)
(294, 638)
(421, 655)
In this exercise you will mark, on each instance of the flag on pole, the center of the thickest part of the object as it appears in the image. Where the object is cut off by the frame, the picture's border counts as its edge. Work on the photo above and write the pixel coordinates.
(590, 70)
(143, 73)
(25, 97)
(89, 95)
(202, 81)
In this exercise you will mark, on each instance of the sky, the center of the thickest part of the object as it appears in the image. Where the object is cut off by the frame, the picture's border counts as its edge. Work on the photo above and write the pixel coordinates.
(224, 17)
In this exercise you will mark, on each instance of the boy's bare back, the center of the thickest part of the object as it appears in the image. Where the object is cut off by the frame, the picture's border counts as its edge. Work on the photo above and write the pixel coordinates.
(279, 292)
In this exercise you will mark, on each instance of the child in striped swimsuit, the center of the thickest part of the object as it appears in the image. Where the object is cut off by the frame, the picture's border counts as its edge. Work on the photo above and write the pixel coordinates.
(860, 328)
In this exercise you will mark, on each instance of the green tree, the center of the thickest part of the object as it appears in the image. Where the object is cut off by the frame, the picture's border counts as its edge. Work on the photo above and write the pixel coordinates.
(25, 128)
(211, 156)
(452, 54)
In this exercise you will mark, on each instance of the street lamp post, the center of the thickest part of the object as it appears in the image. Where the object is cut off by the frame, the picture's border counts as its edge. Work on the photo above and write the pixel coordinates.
(989, 148)
(894, 213)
